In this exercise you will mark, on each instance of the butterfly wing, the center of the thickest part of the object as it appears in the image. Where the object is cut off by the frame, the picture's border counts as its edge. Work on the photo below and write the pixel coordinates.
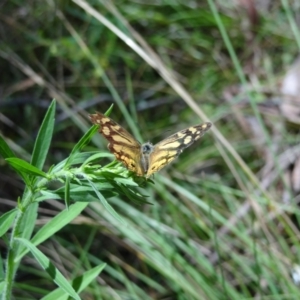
(121, 143)
(168, 149)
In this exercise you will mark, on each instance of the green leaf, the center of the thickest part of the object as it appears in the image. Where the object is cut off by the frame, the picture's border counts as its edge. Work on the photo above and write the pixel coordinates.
(133, 195)
(46, 264)
(58, 222)
(27, 225)
(46, 195)
(80, 193)
(97, 156)
(6, 220)
(2, 283)
(105, 203)
(108, 112)
(24, 167)
(78, 158)
(5, 151)
(2, 273)
(82, 143)
(126, 181)
(67, 192)
(79, 284)
(43, 139)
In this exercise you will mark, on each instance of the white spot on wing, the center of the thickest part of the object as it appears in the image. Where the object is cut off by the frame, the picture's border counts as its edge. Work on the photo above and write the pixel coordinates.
(105, 131)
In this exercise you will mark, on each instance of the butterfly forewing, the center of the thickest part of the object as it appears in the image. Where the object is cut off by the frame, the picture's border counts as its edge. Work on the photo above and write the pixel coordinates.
(168, 149)
(121, 143)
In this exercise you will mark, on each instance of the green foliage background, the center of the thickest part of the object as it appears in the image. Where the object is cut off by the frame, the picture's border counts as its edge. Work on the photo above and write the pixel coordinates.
(222, 222)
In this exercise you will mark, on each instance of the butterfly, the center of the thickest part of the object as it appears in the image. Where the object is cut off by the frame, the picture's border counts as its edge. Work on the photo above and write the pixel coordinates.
(145, 159)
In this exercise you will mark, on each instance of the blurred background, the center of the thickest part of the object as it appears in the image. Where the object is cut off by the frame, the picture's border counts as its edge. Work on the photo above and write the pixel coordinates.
(223, 222)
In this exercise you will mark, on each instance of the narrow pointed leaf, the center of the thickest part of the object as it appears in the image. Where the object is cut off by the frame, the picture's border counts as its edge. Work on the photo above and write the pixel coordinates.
(44, 137)
(79, 284)
(53, 272)
(23, 166)
(105, 203)
(6, 221)
(82, 143)
(5, 151)
(58, 222)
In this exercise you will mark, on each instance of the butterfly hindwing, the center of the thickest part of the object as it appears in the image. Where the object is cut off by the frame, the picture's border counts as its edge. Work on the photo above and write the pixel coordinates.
(168, 149)
(121, 143)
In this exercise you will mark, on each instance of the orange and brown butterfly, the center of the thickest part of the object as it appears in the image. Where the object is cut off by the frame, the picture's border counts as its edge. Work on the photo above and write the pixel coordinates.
(145, 159)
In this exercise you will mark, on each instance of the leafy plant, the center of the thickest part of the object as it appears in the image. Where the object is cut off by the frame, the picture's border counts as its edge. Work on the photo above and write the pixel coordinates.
(77, 182)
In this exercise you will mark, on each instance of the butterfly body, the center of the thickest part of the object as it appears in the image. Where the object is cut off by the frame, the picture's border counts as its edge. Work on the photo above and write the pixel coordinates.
(145, 159)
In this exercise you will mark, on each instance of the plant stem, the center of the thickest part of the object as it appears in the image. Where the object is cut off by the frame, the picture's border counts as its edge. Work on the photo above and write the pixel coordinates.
(13, 247)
